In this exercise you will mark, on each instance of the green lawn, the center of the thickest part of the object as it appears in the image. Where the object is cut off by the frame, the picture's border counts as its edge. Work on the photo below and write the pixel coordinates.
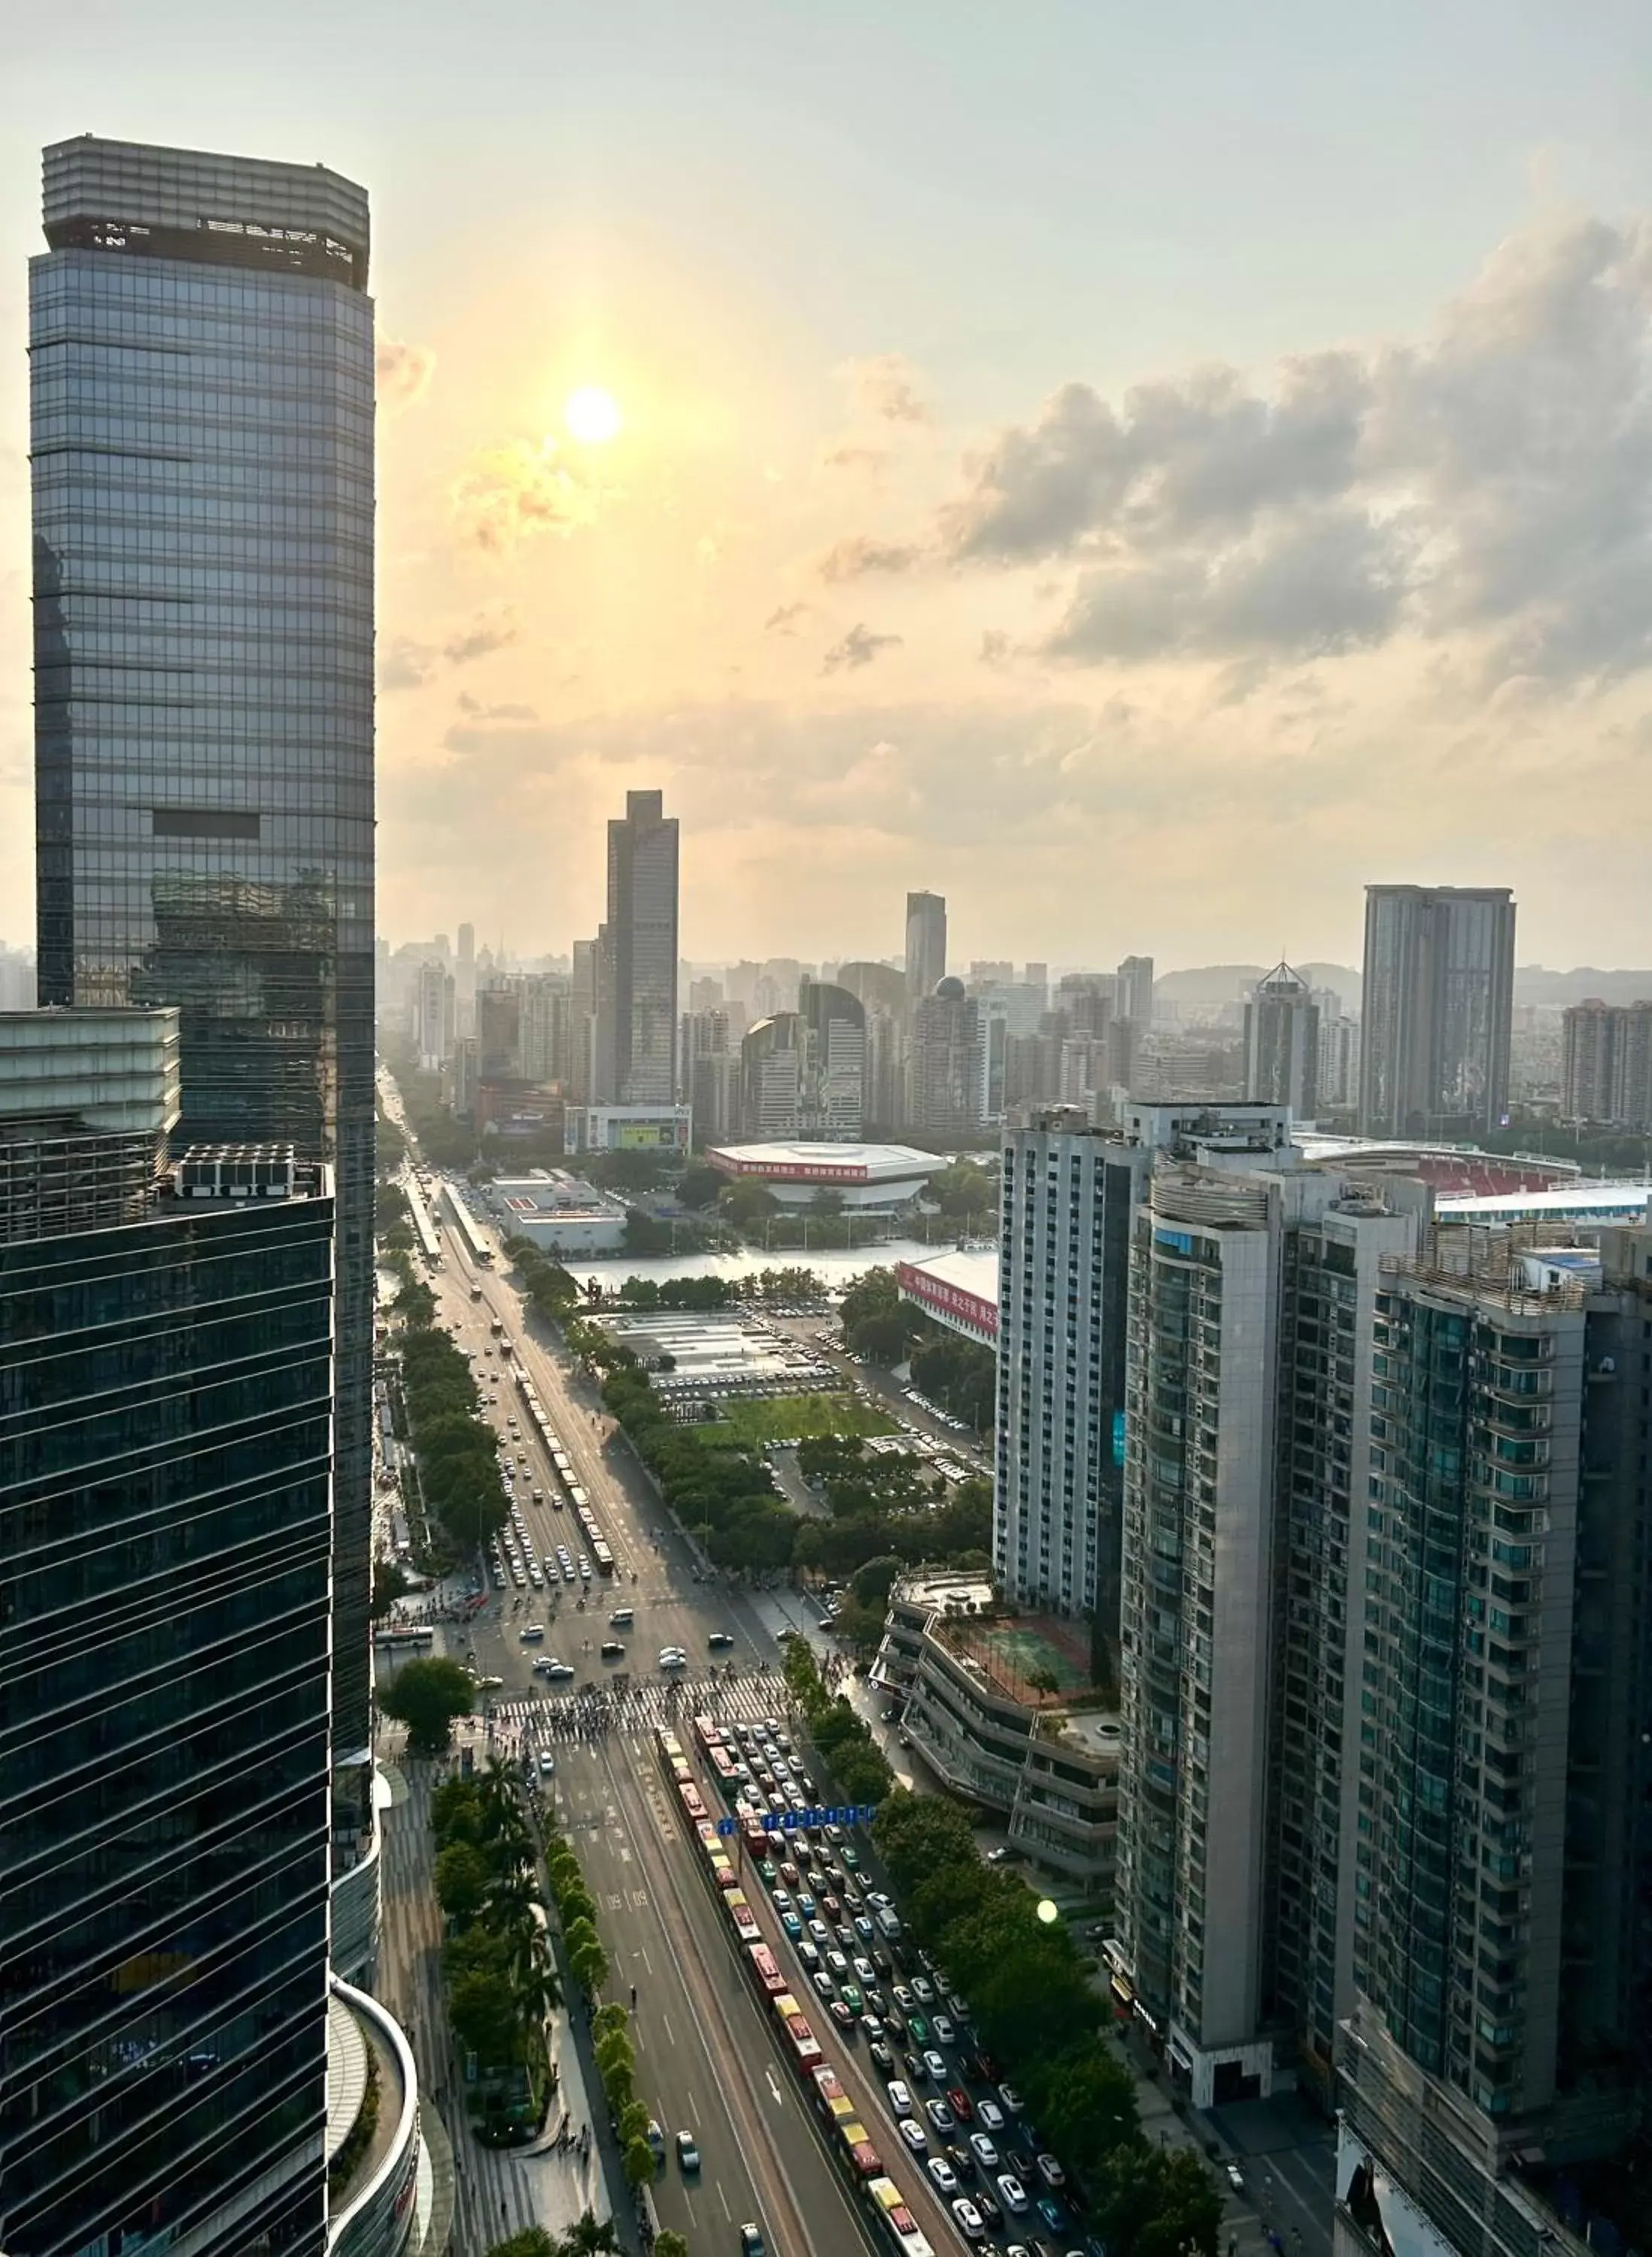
(795, 1418)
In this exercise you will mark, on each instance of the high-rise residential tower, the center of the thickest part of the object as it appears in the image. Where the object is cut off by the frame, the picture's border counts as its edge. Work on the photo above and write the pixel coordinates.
(926, 945)
(1133, 997)
(1439, 990)
(202, 438)
(1282, 1043)
(636, 950)
(166, 1464)
(1063, 1272)
(947, 1063)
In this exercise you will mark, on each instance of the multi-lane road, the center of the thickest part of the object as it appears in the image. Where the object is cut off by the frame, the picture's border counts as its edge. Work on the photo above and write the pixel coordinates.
(708, 2061)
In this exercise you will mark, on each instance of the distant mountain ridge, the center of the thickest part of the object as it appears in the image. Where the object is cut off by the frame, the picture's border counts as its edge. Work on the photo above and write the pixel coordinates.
(1208, 985)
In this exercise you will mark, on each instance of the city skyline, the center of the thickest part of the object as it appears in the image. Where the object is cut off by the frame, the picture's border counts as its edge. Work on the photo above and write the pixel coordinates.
(869, 662)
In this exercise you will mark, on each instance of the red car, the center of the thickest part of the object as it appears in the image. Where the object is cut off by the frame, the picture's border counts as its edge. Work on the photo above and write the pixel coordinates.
(959, 2101)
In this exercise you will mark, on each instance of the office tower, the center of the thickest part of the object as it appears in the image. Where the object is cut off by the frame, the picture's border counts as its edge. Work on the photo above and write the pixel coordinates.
(201, 436)
(991, 971)
(464, 982)
(1063, 1272)
(705, 995)
(1281, 1044)
(946, 1063)
(499, 1033)
(1134, 996)
(1606, 1075)
(883, 992)
(545, 1052)
(434, 1017)
(926, 945)
(713, 1072)
(1439, 984)
(165, 1455)
(1243, 1495)
(582, 1021)
(833, 1098)
(1499, 2045)
(771, 1078)
(1037, 975)
(636, 959)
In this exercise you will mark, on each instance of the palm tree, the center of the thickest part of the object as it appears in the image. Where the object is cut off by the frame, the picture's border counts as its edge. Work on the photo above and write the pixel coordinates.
(587, 2239)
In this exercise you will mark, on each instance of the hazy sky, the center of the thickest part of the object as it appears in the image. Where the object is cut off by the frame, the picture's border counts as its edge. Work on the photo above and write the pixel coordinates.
(1140, 471)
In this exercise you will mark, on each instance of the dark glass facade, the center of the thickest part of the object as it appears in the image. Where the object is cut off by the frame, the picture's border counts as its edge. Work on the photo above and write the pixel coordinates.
(165, 1458)
(637, 993)
(201, 370)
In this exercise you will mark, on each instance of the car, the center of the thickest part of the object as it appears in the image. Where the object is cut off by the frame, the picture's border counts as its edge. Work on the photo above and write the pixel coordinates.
(532, 1633)
(854, 1997)
(865, 1971)
(1236, 2178)
(824, 1983)
(923, 1990)
(552, 1666)
(656, 2139)
(752, 2242)
(984, 2153)
(961, 2161)
(900, 2096)
(838, 1964)
(671, 1657)
(914, 2134)
(919, 2028)
(789, 1874)
(793, 1926)
(769, 1871)
(942, 2173)
(1053, 2212)
(782, 1899)
(941, 2115)
(1011, 2099)
(809, 1954)
(612, 1650)
(935, 2063)
(832, 1905)
(850, 1856)
(688, 2152)
(622, 1619)
(842, 2013)
(989, 2116)
(1051, 2172)
(960, 2103)
(806, 1904)
(883, 2058)
(916, 2071)
(989, 2209)
(720, 1638)
(902, 1995)
(821, 1933)
(547, 1764)
(971, 2224)
(946, 2031)
(1012, 2194)
(489, 1684)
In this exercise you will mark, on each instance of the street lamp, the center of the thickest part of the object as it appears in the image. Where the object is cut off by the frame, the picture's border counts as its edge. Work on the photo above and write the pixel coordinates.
(1048, 1913)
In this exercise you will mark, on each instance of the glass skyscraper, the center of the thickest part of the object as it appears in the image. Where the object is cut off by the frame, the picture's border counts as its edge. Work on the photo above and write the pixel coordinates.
(201, 370)
(166, 1400)
(637, 951)
(1439, 992)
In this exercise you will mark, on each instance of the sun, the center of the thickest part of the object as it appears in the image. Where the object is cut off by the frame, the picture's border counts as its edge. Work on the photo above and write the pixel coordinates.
(592, 415)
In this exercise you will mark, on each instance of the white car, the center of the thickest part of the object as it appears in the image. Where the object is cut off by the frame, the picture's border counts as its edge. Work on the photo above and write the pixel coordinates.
(989, 2115)
(942, 2173)
(900, 2096)
(968, 2219)
(671, 1657)
(1012, 2194)
(984, 2153)
(913, 2134)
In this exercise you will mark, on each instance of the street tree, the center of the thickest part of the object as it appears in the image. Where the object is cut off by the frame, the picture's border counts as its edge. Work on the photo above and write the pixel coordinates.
(463, 1877)
(426, 1696)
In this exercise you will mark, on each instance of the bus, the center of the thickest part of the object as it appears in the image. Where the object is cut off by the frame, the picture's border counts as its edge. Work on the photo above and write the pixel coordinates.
(497, 1328)
(693, 1802)
(725, 1767)
(744, 1919)
(899, 2222)
(768, 1974)
(804, 2044)
(602, 1556)
(709, 1732)
(414, 1634)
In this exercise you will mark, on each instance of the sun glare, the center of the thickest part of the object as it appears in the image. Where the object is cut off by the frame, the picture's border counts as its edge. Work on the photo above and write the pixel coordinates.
(592, 415)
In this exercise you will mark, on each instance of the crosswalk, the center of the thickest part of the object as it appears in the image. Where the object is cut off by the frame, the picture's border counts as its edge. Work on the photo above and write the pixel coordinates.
(580, 1715)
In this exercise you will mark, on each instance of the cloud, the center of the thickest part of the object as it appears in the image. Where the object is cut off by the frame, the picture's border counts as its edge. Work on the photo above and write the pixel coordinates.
(482, 638)
(887, 386)
(783, 621)
(478, 710)
(408, 664)
(1491, 480)
(509, 493)
(854, 458)
(858, 647)
(849, 558)
(404, 373)
(995, 648)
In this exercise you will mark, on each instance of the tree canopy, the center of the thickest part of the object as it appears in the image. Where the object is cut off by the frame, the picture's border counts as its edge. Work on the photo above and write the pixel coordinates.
(427, 1695)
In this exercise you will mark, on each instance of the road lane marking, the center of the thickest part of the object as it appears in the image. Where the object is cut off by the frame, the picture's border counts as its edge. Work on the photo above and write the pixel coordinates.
(779, 2099)
(665, 2018)
(723, 2199)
